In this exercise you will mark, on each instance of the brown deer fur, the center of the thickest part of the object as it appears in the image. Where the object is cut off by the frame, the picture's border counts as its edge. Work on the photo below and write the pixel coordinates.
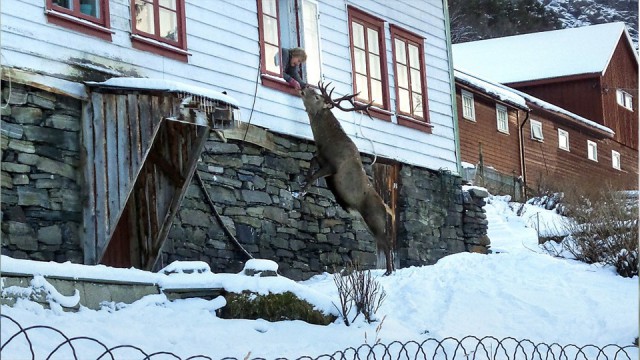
(338, 160)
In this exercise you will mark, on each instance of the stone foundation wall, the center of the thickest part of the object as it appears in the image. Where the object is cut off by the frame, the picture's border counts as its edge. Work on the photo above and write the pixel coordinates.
(41, 208)
(255, 191)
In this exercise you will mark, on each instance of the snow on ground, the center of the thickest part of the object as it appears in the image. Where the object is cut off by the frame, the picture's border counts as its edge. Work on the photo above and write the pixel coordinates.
(518, 291)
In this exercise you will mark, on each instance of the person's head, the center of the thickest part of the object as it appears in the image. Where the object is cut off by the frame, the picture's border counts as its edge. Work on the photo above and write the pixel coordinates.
(297, 56)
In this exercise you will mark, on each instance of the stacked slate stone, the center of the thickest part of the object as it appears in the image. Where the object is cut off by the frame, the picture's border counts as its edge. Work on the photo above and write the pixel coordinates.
(41, 208)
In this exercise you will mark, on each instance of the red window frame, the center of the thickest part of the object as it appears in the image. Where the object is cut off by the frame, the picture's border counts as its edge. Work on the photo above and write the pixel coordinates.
(410, 119)
(155, 43)
(380, 109)
(269, 78)
(78, 21)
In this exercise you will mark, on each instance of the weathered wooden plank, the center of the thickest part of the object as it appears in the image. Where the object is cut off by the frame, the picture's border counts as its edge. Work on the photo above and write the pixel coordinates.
(112, 135)
(134, 131)
(145, 122)
(125, 180)
(89, 209)
(156, 113)
(200, 138)
(102, 221)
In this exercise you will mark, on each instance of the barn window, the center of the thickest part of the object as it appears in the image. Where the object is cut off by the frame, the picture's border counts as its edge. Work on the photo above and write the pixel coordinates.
(288, 24)
(159, 26)
(615, 160)
(563, 139)
(592, 150)
(468, 106)
(86, 16)
(408, 59)
(502, 118)
(368, 58)
(536, 130)
(624, 99)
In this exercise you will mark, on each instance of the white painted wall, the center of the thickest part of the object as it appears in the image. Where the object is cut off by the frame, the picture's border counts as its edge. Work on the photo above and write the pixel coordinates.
(223, 43)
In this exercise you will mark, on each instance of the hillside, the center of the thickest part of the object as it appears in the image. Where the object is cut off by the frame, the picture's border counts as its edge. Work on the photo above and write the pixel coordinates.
(485, 19)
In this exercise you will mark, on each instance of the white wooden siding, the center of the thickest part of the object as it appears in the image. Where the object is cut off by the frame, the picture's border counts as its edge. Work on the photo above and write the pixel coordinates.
(222, 39)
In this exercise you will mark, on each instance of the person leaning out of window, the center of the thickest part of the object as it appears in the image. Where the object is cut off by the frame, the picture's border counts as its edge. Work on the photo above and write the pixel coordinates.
(292, 60)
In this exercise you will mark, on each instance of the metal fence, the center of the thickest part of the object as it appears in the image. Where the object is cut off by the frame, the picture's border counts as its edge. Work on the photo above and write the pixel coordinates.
(22, 345)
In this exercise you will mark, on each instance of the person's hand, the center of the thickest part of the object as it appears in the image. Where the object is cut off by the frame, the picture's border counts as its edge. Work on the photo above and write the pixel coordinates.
(294, 83)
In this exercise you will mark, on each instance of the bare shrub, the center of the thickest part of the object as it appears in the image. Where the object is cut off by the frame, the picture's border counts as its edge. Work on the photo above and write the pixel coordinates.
(359, 293)
(603, 226)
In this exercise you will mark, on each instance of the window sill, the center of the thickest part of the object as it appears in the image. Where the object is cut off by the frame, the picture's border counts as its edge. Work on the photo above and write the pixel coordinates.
(157, 47)
(80, 25)
(416, 124)
(279, 84)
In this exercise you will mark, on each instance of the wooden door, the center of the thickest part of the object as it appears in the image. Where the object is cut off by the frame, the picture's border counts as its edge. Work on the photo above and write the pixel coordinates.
(385, 181)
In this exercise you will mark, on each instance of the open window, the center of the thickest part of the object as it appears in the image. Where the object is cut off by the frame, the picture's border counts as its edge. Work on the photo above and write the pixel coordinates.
(592, 150)
(288, 24)
(159, 26)
(410, 76)
(90, 17)
(563, 139)
(536, 131)
(616, 161)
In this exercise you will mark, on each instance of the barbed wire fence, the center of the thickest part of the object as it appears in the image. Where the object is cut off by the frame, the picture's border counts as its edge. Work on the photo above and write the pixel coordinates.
(23, 344)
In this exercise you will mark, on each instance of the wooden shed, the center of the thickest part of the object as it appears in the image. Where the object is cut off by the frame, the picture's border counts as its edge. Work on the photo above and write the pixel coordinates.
(142, 140)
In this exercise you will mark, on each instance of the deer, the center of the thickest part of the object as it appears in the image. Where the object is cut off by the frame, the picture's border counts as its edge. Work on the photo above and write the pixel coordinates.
(337, 159)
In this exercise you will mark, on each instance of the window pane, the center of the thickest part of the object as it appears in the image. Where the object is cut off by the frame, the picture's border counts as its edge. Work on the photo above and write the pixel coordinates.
(416, 81)
(269, 8)
(358, 35)
(270, 30)
(144, 17)
(414, 58)
(168, 24)
(374, 67)
(417, 105)
(272, 55)
(170, 4)
(376, 91)
(90, 7)
(401, 55)
(64, 3)
(403, 99)
(402, 76)
(362, 87)
(311, 41)
(373, 41)
(360, 61)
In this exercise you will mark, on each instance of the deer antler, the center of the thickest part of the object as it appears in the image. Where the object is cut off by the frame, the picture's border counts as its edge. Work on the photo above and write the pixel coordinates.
(336, 102)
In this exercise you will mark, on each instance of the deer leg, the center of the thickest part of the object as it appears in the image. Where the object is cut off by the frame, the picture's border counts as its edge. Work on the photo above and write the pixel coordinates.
(324, 171)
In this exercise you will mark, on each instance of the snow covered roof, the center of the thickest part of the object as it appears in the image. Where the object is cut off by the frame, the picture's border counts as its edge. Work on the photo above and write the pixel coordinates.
(522, 100)
(542, 55)
(164, 85)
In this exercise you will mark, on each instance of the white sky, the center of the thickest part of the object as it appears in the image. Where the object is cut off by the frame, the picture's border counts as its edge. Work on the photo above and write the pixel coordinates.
(518, 291)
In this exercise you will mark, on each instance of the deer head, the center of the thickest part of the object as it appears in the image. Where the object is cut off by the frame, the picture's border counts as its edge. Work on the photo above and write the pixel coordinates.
(315, 102)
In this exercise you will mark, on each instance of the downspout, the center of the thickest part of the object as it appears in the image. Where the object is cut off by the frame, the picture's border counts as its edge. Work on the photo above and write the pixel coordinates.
(523, 165)
(454, 107)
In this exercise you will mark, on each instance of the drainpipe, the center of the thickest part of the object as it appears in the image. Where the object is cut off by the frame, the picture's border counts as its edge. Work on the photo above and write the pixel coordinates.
(452, 80)
(523, 165)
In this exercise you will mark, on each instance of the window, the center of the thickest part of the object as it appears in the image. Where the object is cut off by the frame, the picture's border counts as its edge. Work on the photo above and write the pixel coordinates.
(288, 24)
(86, 16)
(410, 76)
(502, 118)
(624, 99)
(563, 139)
(536, 130)
(592, 150)
(368, 58)
(615, 160)
(159, 27)
(468, 106)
